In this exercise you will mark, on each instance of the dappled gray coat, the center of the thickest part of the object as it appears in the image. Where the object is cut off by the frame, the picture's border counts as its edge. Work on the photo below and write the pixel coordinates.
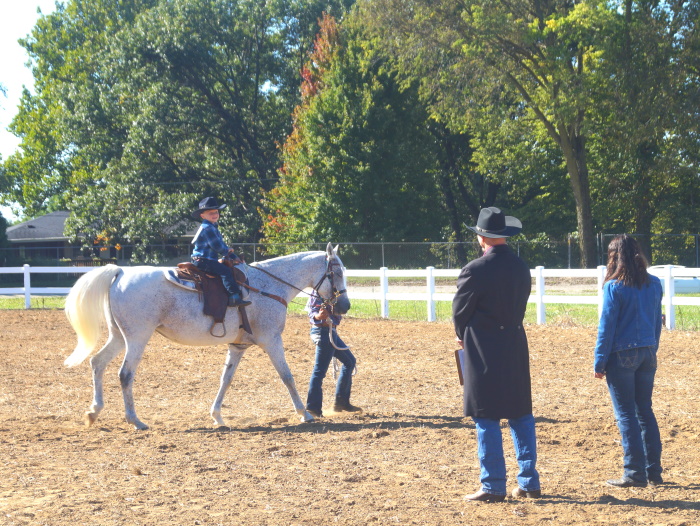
(488, 312)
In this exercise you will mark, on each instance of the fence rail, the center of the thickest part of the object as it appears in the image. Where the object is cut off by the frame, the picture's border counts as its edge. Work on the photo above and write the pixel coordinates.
(685, 279)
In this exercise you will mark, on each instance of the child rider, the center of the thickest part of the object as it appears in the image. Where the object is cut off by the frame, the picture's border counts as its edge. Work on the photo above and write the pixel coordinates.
(208, 243)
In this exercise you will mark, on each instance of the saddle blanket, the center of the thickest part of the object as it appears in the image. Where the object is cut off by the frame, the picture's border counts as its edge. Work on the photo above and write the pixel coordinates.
(172, 276)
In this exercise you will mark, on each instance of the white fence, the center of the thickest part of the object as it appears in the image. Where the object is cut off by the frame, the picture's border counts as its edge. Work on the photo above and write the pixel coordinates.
(672, 278)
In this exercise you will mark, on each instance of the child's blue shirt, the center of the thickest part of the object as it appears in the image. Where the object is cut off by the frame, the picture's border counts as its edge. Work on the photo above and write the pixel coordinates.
(208, 242)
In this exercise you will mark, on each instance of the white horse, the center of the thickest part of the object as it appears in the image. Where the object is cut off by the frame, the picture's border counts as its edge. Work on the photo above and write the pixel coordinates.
(133, 302)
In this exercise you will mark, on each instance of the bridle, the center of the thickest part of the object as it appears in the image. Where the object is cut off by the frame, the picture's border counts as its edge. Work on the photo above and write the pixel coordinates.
(328, 275)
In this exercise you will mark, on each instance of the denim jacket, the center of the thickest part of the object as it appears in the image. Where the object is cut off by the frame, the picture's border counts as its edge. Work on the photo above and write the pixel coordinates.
(631, 318)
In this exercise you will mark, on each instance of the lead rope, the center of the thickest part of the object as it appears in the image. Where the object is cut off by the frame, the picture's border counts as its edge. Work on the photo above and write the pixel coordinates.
(334, 332)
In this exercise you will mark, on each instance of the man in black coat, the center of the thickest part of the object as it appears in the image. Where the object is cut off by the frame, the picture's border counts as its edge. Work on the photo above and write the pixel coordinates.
(488, 312)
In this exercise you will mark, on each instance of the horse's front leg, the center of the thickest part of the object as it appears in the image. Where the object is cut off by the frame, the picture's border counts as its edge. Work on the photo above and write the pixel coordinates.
(127, 373)
(276, 354)
(233, 358)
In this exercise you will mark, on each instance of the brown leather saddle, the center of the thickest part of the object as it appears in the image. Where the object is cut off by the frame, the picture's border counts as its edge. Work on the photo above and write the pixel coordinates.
(213, 294)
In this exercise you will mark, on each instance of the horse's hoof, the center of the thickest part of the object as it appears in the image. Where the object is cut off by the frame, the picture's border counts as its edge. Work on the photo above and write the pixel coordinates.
(306, 417)
(90, 418)
(140, 426)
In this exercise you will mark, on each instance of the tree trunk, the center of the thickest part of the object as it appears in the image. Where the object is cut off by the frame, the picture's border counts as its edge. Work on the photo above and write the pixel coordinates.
(643, 210)
(453, 215)
(573, 147)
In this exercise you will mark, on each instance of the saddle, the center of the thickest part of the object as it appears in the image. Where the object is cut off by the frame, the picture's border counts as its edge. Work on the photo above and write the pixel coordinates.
(214, 295)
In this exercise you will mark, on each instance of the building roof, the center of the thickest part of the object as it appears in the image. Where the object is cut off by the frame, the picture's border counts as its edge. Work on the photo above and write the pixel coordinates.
(48, 227)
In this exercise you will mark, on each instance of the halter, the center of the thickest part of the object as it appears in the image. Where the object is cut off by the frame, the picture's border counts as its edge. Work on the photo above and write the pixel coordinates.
(335, 293)
(328, 275)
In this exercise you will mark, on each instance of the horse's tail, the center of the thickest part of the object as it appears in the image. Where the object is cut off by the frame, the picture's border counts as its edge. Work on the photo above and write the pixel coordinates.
(86, 307)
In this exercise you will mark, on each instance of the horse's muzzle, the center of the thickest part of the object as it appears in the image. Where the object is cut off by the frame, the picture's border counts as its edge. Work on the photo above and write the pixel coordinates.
(342, 304)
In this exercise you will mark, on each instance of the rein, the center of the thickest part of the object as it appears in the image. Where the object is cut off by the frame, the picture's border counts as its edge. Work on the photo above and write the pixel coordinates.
(278, 278)
(263, 293)
(327, 276)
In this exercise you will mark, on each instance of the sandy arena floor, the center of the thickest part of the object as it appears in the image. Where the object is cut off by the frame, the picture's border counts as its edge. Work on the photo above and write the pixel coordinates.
(408, 459)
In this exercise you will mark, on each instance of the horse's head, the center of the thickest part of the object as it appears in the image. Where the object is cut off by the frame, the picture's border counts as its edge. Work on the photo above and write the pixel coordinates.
(332, 287)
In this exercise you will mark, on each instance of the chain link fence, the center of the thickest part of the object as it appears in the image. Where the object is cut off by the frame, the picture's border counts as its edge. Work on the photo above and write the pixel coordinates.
(540, 250)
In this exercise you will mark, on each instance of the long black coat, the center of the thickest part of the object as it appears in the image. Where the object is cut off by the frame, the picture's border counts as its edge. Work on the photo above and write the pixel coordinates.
(488, 312)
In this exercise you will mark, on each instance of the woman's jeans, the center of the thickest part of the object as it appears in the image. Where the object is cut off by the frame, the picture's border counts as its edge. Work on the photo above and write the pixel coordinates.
(490, 448)
(324, 354)
(630, 376)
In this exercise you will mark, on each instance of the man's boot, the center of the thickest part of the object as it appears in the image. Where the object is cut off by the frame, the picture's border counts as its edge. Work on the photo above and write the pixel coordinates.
(235, 300)
(345, 405)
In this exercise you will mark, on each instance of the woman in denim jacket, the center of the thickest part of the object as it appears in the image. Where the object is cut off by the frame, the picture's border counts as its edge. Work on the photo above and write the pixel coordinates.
(625, 354)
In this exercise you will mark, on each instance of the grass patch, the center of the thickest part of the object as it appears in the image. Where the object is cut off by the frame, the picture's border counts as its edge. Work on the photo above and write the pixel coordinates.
(565, 314)
(687, 317)
(398, 310)
(36, 302)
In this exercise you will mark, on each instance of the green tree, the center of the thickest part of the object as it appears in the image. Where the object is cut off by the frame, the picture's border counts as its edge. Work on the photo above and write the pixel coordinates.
(360, 161)
(144, 106)
(379, 165)
(642, 120)
(4, 243)
(541, 53)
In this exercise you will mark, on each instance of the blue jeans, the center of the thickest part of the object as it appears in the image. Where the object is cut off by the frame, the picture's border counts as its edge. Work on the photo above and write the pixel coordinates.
(630, 376)
(211, 266)
(490, 449)
(324, 354)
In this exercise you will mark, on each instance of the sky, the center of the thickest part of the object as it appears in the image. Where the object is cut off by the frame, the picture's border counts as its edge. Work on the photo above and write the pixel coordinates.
(17, 20)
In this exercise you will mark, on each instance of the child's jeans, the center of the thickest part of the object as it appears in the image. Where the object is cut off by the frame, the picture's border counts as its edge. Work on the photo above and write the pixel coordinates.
(211, 266)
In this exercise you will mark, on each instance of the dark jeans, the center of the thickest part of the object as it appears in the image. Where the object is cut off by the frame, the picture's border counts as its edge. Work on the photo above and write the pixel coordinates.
(211, 266)
(324, 354)
(630, 376)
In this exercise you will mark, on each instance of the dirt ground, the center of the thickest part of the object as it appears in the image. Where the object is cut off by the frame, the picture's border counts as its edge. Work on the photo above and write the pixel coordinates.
(408, 459)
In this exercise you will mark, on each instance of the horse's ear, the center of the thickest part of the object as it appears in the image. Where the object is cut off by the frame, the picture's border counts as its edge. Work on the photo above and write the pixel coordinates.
(329, 250)
(335, 250)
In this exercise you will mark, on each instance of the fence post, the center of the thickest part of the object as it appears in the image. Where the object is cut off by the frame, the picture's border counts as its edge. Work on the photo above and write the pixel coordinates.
(539, 295)
(384, 286)
(431, 291)
(601, 279)
(669, 291)
(27, 287)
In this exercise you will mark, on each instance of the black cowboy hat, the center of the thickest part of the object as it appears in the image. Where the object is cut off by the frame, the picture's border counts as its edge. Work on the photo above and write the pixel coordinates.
(208, 203)
(494, 223)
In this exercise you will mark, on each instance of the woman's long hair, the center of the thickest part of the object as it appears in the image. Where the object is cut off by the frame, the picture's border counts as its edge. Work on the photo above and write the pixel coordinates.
(626, 263)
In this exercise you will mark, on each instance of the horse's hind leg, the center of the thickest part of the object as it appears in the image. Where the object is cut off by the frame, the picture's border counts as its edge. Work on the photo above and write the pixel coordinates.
(99, 362)
(127, 373)
(235, 354)
(276, 354)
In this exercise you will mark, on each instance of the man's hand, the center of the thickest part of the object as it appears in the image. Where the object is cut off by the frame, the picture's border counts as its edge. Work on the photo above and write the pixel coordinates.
(600, 376)
(322, 314)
